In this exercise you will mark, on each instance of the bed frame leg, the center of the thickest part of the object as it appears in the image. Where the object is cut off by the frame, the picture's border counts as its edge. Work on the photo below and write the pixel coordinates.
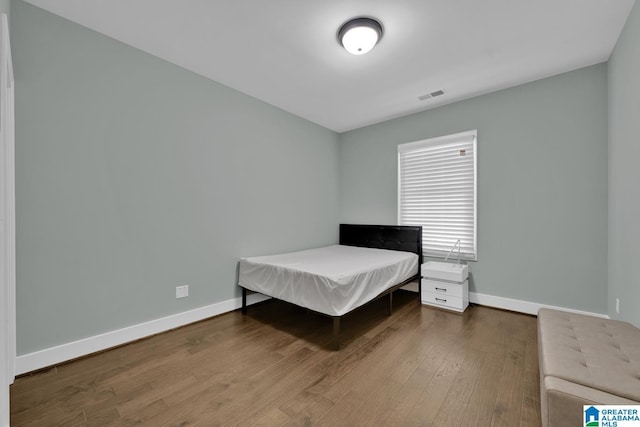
(244, 300)
(390, 303)
(336, 333)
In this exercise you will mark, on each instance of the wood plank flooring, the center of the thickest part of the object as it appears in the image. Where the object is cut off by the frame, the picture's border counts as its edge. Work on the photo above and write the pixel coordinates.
(275, 367)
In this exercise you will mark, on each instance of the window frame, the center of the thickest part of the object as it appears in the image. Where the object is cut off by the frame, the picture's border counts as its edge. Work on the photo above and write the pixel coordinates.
(442, 141)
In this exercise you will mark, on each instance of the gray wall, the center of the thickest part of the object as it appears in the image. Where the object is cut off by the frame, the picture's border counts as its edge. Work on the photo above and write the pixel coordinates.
(542, 185)
(135, 176)
(5, 7)
(624, 173)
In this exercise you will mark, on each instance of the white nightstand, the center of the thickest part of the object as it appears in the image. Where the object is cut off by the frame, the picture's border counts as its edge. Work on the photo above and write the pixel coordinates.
(445, 285)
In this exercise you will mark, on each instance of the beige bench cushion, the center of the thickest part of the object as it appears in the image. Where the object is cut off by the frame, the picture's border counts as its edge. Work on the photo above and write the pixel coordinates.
(597, 353)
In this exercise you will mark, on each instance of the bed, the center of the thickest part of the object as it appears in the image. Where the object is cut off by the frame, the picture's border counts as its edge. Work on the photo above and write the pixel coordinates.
(370, 262)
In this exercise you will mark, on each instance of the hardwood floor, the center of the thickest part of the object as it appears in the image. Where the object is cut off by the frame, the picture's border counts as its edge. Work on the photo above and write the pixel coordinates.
(275, 366)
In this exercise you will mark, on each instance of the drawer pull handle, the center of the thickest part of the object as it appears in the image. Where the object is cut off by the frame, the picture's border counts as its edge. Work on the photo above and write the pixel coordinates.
(441, 289)
(441, 300)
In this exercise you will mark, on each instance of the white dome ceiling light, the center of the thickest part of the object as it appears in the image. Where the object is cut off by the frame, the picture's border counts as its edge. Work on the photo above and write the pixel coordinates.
(360, 35)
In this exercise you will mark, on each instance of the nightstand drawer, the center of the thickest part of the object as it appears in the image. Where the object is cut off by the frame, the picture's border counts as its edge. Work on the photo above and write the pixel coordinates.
(446, 301)
(442, 288)
(449, 295)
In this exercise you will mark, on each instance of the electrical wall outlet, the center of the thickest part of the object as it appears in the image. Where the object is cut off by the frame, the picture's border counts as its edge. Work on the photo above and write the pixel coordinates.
(182, 291)
(618, 305)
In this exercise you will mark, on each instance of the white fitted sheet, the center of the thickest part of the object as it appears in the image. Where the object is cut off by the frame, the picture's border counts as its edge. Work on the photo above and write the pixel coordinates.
(332, 280)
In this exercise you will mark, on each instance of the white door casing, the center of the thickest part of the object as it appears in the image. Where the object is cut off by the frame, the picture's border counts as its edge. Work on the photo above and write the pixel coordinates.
(7, 223)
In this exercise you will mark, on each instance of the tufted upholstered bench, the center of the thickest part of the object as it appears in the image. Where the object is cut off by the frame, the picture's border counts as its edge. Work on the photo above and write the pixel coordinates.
(585, 360)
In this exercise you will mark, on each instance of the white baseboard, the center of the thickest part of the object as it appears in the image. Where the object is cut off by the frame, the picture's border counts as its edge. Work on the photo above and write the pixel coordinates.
(521, 306)
(69, 351)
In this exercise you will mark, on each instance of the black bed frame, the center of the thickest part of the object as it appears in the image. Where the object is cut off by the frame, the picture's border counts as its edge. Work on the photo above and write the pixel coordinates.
(405, 238)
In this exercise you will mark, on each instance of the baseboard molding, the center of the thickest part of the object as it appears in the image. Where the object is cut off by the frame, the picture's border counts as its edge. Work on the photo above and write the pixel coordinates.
(73, 350)
(521, 306)
(69, 351)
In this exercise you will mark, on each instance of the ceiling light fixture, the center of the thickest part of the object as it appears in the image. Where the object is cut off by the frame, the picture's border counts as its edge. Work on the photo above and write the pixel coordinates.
(360, 35)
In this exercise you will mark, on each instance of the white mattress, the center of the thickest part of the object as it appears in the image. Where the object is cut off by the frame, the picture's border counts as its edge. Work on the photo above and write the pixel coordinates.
(332, 280)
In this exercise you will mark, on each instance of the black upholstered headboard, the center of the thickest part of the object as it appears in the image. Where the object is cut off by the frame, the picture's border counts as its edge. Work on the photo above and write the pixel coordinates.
(395, 237)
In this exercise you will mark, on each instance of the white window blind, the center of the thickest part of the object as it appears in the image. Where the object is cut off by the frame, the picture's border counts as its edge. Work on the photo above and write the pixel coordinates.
(437, 190)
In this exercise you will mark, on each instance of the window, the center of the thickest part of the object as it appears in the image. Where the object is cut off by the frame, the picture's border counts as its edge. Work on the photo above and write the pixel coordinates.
(437, 190)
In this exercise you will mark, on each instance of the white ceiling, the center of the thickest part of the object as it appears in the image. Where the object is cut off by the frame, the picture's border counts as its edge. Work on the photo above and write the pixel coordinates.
(285, 52)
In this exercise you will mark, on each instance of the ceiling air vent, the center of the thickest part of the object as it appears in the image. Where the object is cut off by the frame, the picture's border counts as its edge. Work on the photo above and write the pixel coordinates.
(431, 95)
